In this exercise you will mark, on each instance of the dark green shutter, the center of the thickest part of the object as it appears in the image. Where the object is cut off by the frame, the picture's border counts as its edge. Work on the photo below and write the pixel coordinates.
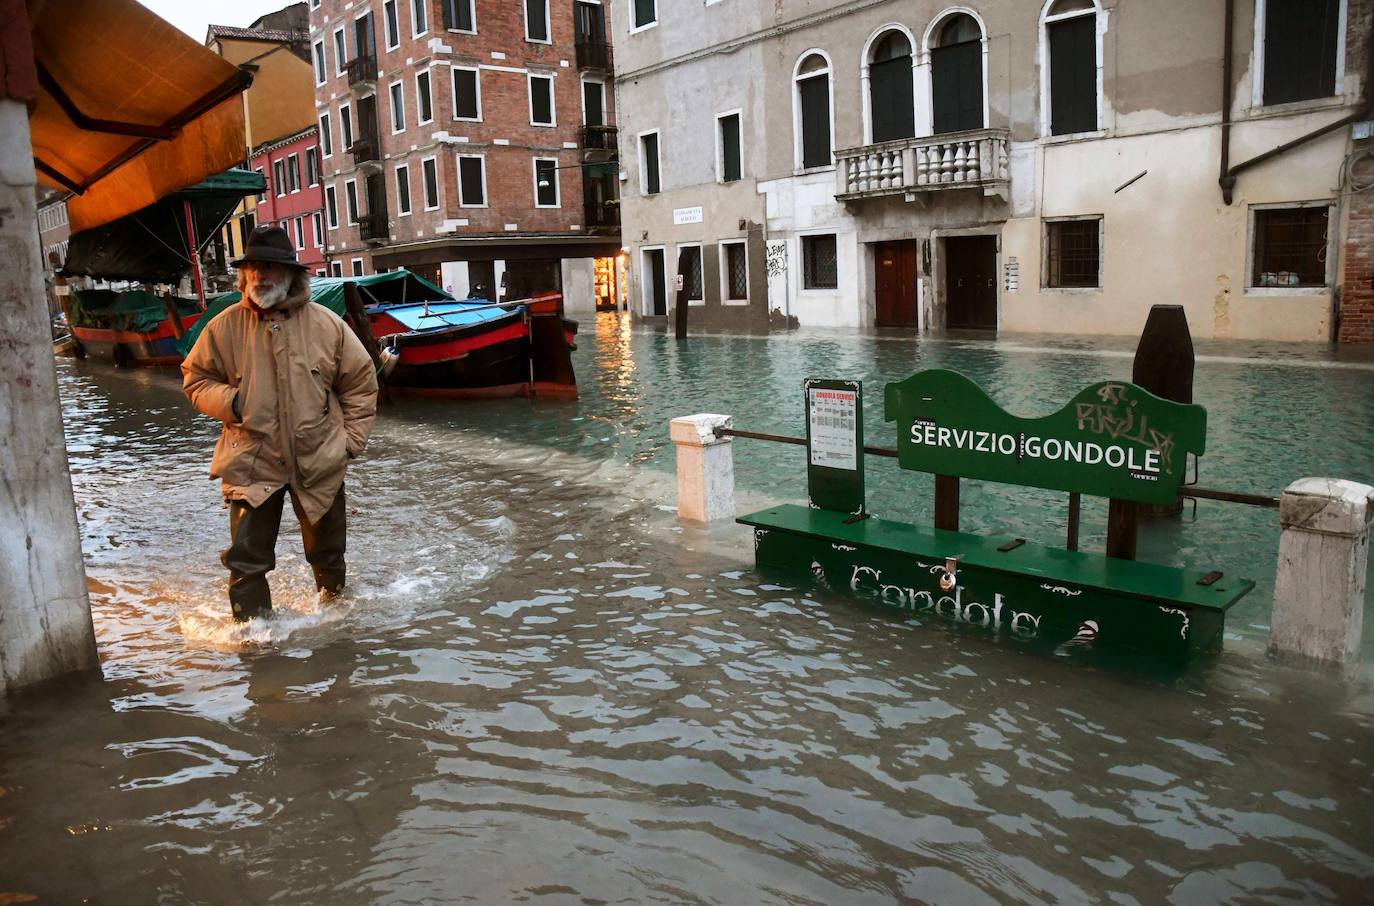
(470, 180)
(892, 99)
(729, 147)
(465, 93)
(1073, 75)
(541, 93)
(650, 148)
(645, 12)
(1300, 50)
(815, 116)
(957, 74)
(536, 23)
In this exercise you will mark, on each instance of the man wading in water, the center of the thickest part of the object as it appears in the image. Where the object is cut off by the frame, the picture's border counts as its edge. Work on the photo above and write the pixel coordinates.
(297, 393)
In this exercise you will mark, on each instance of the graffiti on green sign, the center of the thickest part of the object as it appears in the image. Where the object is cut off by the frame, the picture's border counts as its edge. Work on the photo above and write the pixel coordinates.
(1113, 439)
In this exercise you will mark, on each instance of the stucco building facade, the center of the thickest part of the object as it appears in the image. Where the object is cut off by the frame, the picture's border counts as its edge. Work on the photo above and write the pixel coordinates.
(1054, 166)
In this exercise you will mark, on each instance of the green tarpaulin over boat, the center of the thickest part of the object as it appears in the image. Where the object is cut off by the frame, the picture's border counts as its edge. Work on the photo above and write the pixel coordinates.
(136, 310)
(377, 289)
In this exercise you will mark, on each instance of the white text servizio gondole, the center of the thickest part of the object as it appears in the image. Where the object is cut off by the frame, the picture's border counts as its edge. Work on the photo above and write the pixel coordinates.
(1086, 452)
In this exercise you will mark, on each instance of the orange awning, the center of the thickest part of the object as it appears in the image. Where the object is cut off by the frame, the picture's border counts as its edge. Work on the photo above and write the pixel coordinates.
(129, 108)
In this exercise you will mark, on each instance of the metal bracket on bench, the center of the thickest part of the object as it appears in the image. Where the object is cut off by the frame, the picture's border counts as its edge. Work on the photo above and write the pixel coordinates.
(1011, 545)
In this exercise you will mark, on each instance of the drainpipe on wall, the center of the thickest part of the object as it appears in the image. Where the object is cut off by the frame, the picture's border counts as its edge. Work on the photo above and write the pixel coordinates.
(1229, 173)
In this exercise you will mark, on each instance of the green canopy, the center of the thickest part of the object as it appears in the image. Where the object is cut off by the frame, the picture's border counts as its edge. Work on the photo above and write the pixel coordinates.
(138, 311)
(392, 287)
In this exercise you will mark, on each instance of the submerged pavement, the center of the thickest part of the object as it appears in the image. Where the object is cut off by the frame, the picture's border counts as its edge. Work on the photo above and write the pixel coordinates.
(542, 688)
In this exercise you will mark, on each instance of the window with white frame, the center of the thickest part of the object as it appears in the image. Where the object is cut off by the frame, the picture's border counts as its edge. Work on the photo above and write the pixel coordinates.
(956, 49)
(326, 136)
(403, 190)
(812, 99)
(537, 21)
(546, 191)
(891, 93)
(1073, 253)
(1300, 48)
(459, 15)
(340, 51)
(331, 206)
(541, 100)
(1290, 245)
(317, 227)
(429, 169)
(357, 267)
(689, 266)
(729, 160)
(293, 172)
(648, 164)
(312, 166)
(336, 268)
(262, 196)
(1070, 42)
(467, 94)
(391, 20)
(419, 17)
(645, 14)
(472, 181)
(279, 177)
(734, 271)
(351, 201)
(321, 73)
(424, 101)
(820, 262)
(300, 234)
(346, 126)
(398, 107)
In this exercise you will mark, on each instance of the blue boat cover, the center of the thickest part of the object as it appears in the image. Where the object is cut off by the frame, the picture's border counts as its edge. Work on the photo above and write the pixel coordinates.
(447, 314)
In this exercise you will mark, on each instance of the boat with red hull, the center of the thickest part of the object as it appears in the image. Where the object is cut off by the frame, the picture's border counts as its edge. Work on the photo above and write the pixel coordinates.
(131, 329)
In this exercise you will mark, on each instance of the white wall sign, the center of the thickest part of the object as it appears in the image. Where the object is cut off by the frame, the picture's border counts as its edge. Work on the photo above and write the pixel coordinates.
(687, 215)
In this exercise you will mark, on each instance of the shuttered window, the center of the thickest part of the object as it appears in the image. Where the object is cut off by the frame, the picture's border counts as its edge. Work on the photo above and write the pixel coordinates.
(648, 154)
(1300, 49)
(458, 15)
(956, 72)
(545, 183)
(536, 20)
(471, 182)
(729, 148)
(423, 100)
(646, 12)
(814, 94)
(541, 101)
(403, 190)
(466, 103)
(891, 96)
(1073, 75)
(429, 168)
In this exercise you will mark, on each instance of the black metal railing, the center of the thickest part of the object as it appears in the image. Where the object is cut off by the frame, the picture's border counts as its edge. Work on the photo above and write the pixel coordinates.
(361, 70)
(600, 214)
(366, 148)
(598, 138)
(374, 228)
(593, 54)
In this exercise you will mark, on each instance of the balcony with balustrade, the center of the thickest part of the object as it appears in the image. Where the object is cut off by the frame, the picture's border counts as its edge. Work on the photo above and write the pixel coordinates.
(361, 71)
(916, 167)
(374, 228)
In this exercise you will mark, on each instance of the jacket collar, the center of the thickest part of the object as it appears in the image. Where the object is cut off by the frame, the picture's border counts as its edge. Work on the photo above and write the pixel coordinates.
(286, 309)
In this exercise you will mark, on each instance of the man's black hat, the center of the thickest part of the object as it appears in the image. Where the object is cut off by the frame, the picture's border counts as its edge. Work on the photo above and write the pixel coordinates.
(269, 245)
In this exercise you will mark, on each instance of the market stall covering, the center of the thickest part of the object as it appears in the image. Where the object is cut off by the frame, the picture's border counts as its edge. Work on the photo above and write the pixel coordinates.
(151, 245)
(128, 108)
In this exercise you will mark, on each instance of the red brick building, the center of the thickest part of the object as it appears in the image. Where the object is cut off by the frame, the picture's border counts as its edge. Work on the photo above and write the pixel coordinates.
(471, 141)
(1357, 262)
(294, 199)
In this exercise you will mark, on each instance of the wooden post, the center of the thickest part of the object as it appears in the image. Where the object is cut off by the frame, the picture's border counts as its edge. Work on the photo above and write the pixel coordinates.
(680, 313)
(1164, 364)
(1122, 525)
(947, 503)
(169, 303)
(1075, 505)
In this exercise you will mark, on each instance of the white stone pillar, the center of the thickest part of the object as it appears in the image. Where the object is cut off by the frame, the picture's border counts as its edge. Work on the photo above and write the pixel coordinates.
(45, 616)
(1323, 557)
(705, 468)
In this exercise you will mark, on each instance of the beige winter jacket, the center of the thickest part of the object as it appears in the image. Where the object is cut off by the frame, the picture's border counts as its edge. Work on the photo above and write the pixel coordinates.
(307, 394)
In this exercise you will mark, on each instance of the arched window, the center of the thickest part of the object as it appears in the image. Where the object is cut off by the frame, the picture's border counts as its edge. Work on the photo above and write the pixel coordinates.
(891, 98)
(812, 104)
(1072, 56)
(956, 74)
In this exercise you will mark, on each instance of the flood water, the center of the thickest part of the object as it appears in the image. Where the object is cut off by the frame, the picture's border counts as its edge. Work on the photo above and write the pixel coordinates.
(540, 688)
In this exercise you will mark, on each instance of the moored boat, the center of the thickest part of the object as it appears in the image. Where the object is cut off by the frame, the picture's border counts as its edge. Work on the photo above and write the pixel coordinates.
(131, 329)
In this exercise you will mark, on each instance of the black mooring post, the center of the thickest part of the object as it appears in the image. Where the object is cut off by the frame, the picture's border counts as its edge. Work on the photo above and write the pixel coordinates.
(680, 313)
(947, 503)
(1075, 504)
(1164, 363)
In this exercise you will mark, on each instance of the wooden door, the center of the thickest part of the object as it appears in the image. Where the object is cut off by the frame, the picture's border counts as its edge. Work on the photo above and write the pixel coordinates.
(895, 281)
(971, 282)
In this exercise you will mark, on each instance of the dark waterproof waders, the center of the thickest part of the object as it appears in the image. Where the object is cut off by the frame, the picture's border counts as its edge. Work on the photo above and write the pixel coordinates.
(252, 552)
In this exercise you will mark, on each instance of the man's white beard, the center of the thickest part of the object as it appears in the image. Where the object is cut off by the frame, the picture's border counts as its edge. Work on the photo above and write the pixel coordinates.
(269, 297)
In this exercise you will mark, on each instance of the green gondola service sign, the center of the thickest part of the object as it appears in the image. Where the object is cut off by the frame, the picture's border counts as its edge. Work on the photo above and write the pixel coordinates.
(1112, 440)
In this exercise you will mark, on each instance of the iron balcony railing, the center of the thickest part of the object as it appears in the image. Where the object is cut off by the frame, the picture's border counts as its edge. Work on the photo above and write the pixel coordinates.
(366, 148)
(362, 70)
(598, 138)
(602, 214)
(374, 228)
(592, 54)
